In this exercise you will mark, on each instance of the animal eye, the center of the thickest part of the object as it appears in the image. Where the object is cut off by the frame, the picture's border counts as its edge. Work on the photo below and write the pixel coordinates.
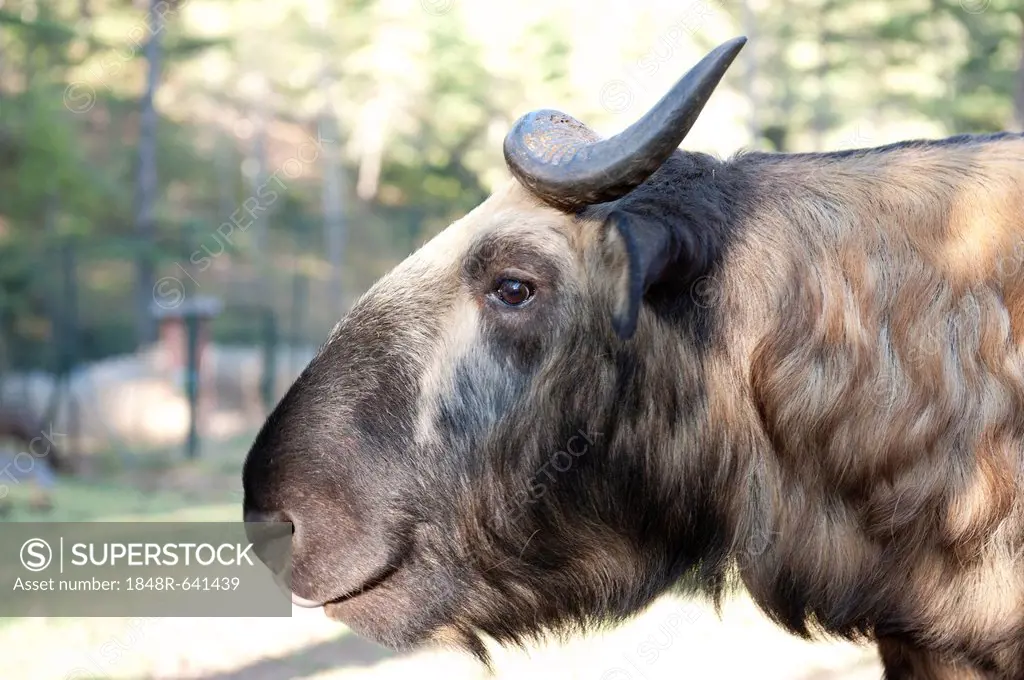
(513, 292)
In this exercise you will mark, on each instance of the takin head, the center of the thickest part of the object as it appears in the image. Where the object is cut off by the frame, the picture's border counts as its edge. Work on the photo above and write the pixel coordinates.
(477, 448)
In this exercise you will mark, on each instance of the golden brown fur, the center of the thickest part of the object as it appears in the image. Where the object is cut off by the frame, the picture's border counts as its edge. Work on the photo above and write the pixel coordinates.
(885, 359)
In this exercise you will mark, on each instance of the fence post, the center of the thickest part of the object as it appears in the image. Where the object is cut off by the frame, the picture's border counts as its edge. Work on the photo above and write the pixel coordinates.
(192, 383)
(189, 319)
(71, 348)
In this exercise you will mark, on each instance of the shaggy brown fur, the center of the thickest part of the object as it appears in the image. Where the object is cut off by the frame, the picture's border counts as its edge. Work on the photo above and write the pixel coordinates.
(882, 353)
(823, 394)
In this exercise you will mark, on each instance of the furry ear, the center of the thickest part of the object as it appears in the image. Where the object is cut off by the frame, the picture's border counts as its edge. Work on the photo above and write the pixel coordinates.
(640, 247)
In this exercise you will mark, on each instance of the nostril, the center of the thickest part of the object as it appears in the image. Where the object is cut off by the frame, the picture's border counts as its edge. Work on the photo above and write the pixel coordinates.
(270, 533)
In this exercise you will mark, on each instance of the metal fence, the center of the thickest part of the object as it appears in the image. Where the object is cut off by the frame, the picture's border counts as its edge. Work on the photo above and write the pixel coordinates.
(69, 320)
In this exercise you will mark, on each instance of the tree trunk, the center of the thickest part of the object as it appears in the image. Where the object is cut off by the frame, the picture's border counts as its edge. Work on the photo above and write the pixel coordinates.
(1018, 99)
(820, 114)
(372, 132)
(257, 155)
(332, 197)
(146, 186)
(750, 72)
(227, 164)
(333, 207)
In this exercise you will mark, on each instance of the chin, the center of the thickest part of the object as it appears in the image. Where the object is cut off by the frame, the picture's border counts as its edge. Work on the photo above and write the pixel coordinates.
(388, 614)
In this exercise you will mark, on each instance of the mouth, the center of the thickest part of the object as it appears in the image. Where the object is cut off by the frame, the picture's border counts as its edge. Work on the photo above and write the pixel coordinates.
(379, 579)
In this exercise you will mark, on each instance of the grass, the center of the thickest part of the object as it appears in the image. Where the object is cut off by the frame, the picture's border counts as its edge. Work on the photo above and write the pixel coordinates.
(147, 486)
(95, 501)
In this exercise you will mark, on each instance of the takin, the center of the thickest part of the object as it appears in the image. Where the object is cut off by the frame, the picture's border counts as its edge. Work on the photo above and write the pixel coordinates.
(635, 368)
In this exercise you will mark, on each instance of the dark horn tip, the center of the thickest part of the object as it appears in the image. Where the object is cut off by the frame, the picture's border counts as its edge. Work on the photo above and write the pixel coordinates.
(738, 41)
(565, 164)
(729, 49)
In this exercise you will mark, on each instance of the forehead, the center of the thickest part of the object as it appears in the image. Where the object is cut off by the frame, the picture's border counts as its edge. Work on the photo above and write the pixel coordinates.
(510, 222)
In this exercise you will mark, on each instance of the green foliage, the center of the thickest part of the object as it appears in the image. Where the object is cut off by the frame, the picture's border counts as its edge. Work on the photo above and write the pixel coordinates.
(420, 100)
(960, 60)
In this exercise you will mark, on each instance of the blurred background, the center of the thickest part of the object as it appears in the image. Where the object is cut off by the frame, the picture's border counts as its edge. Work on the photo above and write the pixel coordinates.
(192, 192)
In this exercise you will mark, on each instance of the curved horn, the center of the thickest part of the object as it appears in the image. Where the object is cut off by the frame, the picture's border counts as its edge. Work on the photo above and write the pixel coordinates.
(565, 164)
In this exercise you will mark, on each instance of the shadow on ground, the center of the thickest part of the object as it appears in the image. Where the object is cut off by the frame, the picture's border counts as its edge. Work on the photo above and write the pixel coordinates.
(345, 652)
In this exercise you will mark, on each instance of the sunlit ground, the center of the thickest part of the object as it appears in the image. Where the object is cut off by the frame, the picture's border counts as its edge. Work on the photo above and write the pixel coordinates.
(662, 644)
(674, 639)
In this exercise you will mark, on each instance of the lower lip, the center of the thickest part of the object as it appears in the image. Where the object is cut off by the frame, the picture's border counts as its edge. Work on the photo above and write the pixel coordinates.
(313, 604)
(303, 602)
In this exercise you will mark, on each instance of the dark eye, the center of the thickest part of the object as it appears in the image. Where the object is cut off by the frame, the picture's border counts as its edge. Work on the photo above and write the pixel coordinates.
(513, 292)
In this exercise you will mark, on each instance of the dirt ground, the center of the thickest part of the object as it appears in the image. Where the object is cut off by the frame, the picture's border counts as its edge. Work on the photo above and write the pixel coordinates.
(674, 640)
